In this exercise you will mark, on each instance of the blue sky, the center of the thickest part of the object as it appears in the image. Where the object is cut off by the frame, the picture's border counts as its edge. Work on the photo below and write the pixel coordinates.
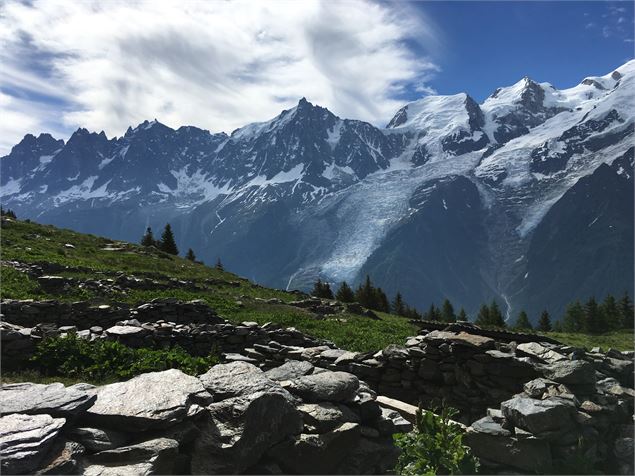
(105, 65)
(491, 44)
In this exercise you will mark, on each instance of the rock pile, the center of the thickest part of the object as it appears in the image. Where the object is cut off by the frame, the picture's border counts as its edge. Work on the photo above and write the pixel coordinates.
(232, 419)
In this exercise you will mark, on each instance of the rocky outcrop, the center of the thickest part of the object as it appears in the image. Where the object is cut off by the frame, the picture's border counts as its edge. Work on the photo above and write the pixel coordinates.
(232, 419)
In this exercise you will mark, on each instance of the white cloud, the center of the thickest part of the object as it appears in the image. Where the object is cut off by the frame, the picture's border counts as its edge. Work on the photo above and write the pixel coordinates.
(217, 65)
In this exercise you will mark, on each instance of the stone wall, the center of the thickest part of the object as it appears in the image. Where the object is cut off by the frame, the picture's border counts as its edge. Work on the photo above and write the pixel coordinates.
(233, 419)
(493, 384)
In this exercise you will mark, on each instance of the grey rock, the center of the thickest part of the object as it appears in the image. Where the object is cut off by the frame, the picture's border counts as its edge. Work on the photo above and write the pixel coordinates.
(530, 455)
(236, 379)
(121, 331)
(25, 441)
(238, 431)
(538, 416)
(537, 387)
(96, 439)
(346, 358)
(326, 416)
(376, 456)
(326, 386)
(155, 456)
(290, 370)
(390, 422)
(63, 458)
(148, 401)
(489, 426)
(316, 454)
(539, 351)
(54, 399)
(332, 354)
(573, 372)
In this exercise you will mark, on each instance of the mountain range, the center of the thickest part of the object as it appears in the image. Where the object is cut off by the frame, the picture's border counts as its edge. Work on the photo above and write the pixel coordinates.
(526, 198)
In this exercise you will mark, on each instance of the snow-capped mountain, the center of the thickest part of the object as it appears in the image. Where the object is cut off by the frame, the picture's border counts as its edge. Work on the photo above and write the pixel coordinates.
(452, 199)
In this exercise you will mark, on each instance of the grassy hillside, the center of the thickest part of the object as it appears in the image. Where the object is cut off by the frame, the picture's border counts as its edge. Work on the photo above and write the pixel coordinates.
(233, 297)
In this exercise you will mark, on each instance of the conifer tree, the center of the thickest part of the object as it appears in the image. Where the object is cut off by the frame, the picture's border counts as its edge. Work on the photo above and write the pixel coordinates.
(219, 265)
(168, 243)
(190, 255)
(381, 300)
(364, 294)
(462, 316)
(345, 293)
(592, 317)
(317, 288)
(522, 322)
(148, 238)
(611, 316)
(398, 307)
(626, 311)
(574, 318)
(447, 312)
(495, 315)
(544, 324)
(327, 293)
(483, 317)
(322, 290)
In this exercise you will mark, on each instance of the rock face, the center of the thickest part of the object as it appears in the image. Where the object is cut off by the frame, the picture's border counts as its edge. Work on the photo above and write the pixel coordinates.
(149, 401)
(25, 441)
(54, 399)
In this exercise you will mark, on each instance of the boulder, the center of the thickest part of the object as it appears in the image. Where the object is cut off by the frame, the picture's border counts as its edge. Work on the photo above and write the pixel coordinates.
(317, 454)
(63, 458)
(529, 455)
(326, 416)
(148, 401)
(25, 440)
(572, 372)
(155, 456)
(95, 439)
(54, 399)
(538, 416)
(376, 456)
(326, 386)
(238, 431)
(539, 351)
(290, 370)
(236, 379)
(489, 426)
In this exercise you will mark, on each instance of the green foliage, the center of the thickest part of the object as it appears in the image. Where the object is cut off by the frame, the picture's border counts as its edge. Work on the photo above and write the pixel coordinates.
(435, 446)
(490, 316)
(398, 306)
(522, 323)
(544, 324)
(148, 238)
(322, 290)
(447, 312)
(103, 360)
(168, 243)
(345, 293)
(372, 297)
(619, 340)
(190, 255)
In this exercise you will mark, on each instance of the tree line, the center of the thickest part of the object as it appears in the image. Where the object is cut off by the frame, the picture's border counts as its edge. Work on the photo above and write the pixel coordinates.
(590, 318)
(167, 244)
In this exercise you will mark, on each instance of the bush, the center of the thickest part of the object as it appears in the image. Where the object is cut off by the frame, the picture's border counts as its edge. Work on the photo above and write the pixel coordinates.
(103, 360)
(435, 446)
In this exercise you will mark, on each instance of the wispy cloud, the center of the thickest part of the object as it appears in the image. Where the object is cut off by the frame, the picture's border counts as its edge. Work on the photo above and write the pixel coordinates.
(217, 65)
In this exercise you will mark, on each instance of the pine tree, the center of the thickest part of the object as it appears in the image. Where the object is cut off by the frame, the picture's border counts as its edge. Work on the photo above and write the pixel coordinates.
(522, 322)
(592, 317)
(148, 238)
(462, 315)
(317, 288)
(364, 294)
(382, 300)
(398, 307)
(574, 318)
(495, 315)
(626, 311)
(345, 293)
(557, 326)
(322, 290)
(190, 255)
(219, 265)
(327, 293)
(447, 312)
(167, 243)
(611, 315)
(483, 317)
(544, 324)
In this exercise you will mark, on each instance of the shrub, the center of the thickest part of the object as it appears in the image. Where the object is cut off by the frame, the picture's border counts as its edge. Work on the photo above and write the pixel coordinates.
(435, 446)
(103, 360)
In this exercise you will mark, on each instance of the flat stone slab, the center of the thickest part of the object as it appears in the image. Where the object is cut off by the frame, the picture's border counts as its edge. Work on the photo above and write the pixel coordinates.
(54, 399)
(326, 387)
(125, 330)
(148, 401)
(236, 379)
(290, 370)
(539, 416)
(25, 441)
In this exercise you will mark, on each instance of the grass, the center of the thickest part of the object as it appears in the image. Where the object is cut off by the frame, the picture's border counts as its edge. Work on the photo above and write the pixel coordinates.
(34, 243)
(619, 340)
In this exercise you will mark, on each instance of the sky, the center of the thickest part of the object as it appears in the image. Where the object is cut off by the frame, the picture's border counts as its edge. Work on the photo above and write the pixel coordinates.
(220, 65)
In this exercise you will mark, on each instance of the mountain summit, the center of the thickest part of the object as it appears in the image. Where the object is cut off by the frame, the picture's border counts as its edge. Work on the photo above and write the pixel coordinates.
(452, 199)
